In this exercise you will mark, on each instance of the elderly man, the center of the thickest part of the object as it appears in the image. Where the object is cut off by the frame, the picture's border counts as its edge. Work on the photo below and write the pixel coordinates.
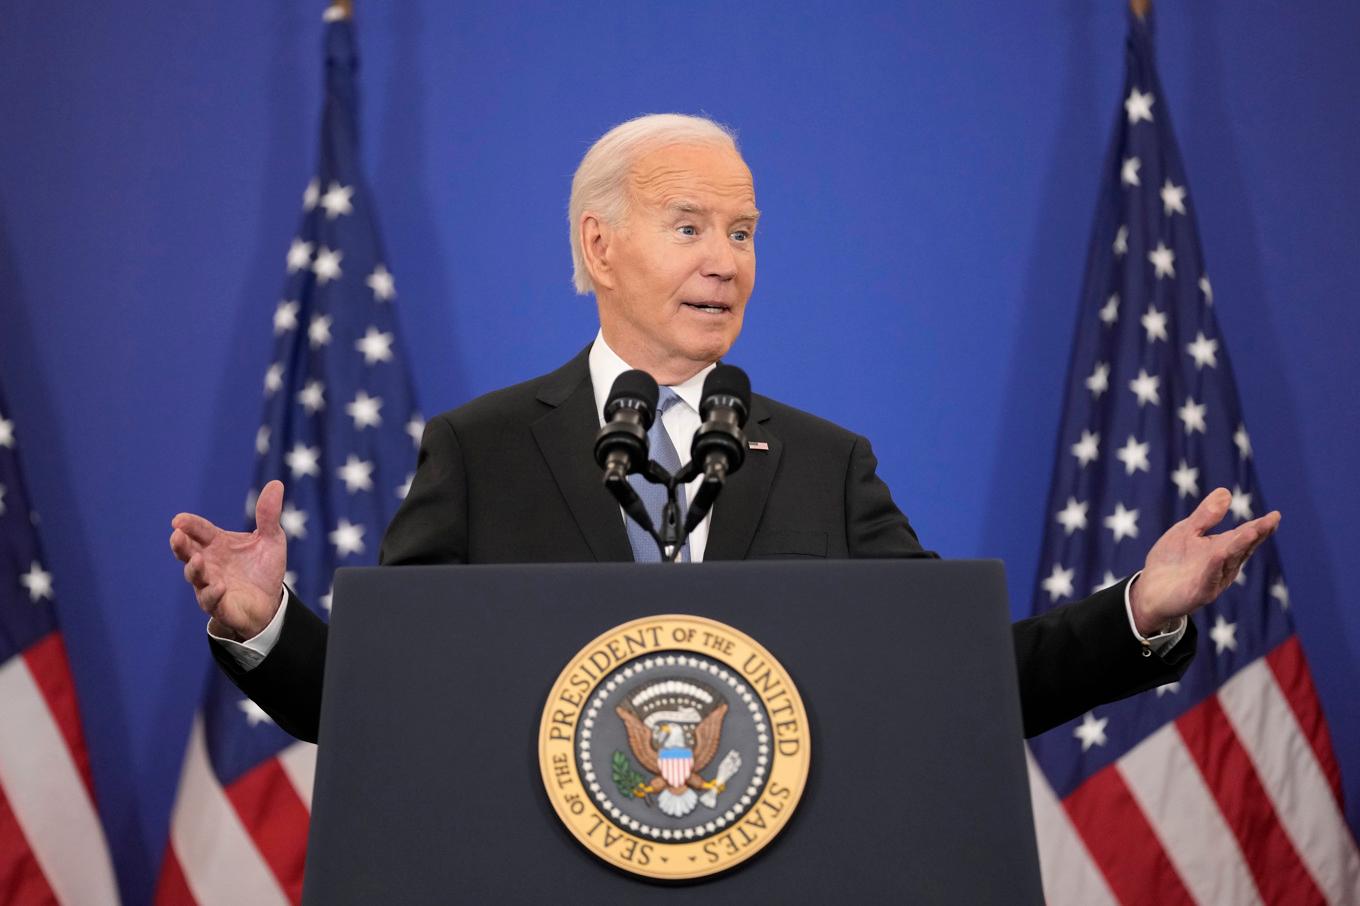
(663, 221)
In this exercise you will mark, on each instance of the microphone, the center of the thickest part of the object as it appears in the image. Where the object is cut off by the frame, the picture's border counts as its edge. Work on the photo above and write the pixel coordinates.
(621, 445)
(719, 446)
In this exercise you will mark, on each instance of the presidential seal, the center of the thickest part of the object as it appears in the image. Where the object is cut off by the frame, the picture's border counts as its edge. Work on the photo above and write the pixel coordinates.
(674, 747)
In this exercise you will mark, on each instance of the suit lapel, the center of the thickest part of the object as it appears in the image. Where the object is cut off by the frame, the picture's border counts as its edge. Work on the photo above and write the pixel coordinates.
(566, 437)
(737, 511)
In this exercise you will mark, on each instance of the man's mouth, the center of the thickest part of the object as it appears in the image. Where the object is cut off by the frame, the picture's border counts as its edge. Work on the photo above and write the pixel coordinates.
(711, 308)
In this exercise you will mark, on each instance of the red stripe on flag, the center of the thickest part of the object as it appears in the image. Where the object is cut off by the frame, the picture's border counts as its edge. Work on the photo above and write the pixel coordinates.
(276, 819)
(1123, 843)
(1279, 873)
(1291, 675)
(47, 663)
(173, 889)
(22, 881)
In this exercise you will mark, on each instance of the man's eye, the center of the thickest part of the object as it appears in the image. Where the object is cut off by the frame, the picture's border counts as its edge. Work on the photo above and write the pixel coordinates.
(688, 230)
(741, 235)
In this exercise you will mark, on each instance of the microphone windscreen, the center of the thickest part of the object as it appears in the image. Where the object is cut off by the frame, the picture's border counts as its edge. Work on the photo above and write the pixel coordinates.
(726, 381)
(636, 387)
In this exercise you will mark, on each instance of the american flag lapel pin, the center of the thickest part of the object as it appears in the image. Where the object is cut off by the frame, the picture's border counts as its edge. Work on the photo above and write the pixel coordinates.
(758, 445)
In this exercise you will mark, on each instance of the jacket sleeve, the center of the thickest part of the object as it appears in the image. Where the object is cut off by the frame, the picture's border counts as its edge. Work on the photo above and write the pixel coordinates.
(874, 526)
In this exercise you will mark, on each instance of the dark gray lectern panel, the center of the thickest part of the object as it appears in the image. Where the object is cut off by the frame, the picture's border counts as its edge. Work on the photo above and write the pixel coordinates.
(428, 787)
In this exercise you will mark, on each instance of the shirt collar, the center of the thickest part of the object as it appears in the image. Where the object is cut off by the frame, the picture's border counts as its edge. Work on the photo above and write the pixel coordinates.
(606, 366)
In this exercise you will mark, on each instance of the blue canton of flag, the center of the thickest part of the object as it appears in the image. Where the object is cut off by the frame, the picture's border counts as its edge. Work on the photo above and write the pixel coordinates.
(341, 430)
(1221, 787)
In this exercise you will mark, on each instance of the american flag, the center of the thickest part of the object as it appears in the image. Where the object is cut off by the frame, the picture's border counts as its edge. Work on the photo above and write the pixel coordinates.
(1220, 788)
(52, 847)
(340, 430)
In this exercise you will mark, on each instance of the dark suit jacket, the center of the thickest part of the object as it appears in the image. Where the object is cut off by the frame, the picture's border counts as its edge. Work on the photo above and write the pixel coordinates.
(511, 478)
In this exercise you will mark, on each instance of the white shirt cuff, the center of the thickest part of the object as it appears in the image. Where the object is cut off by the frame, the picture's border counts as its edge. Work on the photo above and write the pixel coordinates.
(1160, 643)
(249, 653)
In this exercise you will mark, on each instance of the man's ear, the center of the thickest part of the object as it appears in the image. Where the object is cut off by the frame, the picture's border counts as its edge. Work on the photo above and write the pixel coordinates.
(597, 238)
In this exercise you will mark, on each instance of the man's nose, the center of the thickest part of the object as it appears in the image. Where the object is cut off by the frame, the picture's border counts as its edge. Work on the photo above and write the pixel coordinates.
(720, 260)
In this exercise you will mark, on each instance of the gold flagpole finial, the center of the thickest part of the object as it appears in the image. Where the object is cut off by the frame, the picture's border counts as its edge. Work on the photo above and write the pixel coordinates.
(339, 9)
(1140, 7)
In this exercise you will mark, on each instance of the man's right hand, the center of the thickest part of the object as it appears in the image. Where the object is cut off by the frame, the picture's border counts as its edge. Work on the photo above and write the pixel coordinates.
(237, 576)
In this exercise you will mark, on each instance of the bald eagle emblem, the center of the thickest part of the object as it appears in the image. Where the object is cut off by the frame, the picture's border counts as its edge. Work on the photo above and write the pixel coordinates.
(674, 730)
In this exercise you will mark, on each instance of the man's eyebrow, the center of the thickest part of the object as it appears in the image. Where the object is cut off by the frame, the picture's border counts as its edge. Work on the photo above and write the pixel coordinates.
(683, 206)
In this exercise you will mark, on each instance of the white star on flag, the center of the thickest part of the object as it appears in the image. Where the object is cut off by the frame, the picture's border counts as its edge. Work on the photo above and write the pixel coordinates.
(1224, 635)
(1129, 172)
(273, 379)
(1121, 242)
(1154, 323)
(1168, 687)
(1109, 312)
(302, 460)
(1164, 260)
(383, 286)
(252, 497)
(37, 581)
(293, 521)
(1204, 351)
(1186, 480)
(1087, 450)
(289, 578)
(1099, 381)
(405, 488)
(1123, 523)
(254, 713)
(365, 411)
(1059, 582)
(1139, 106)
(1145, 387)
(1280, 592)
(1134, 456)
(356, 474)
(415, 428)
(325, 600)
(375, 345)
(310, 196)
(1207, 288)
(319, 331)
(1243, 441)
(336, 201)
(299, 255)
(347, 538)
(313, 397)
(1073, 516)
(1105, 582)
(6, 433)
(327, 265)
(1192, 414)
(1173, 198)
(285, 317)
(262, 440)
(1241, 504)
(1241, 577)
(1091, 730)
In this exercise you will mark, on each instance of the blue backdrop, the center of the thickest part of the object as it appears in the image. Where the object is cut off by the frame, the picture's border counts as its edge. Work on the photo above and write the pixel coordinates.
(927, 177)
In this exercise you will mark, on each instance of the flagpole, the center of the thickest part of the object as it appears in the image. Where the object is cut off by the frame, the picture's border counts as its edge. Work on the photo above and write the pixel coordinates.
(1140, 7)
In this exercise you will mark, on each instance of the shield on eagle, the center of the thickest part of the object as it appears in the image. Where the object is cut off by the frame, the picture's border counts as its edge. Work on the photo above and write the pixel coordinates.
(675, 765)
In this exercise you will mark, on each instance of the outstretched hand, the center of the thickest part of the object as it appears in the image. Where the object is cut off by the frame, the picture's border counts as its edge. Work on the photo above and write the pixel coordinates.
(237, 576)
(1188, 568)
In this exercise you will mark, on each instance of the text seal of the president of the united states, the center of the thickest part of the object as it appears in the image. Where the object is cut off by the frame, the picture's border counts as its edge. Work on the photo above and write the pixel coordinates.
(674, 746)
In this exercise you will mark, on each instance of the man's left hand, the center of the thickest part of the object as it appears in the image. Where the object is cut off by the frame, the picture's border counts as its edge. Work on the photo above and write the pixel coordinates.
(1188, 568)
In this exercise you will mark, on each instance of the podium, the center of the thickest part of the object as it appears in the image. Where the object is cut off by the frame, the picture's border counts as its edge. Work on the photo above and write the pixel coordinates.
(428, 787)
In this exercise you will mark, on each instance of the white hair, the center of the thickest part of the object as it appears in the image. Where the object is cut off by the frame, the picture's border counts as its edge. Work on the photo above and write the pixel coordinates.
(601, 181)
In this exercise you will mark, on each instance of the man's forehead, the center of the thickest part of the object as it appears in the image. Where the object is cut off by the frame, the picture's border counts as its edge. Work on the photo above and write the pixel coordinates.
(688, 176)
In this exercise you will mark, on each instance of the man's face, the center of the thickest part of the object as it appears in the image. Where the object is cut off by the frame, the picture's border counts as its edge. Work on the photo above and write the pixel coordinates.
(680, 269)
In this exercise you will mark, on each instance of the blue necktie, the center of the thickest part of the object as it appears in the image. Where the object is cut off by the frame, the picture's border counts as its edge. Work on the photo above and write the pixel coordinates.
(654, 495)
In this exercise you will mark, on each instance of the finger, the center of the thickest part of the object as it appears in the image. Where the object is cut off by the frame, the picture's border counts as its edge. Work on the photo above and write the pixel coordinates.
(1244, 539)
(268, 507)
(196, 527)
(195, 571)
(1210, 511)
(182, 546)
